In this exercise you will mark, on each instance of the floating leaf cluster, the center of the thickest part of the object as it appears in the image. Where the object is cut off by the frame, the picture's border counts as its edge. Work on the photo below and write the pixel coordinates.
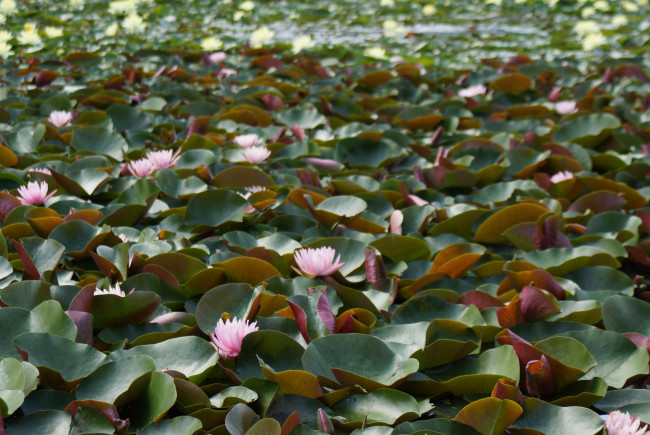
(344, 217)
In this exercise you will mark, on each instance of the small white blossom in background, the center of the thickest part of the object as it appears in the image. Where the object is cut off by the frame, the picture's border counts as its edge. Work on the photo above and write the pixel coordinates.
(261, 36)
(77, 3)
(429, 10)
(493, 2)
(5, 36)
(238, 15)
(630, 6)
(619, 20)
(593, 41)
(392, 28)
(247, 6)
(3, 18)
(601, 5)
(300, 43)
(587, 12)
(211, 43)
(375, 52)
(122, 7)
(29, 35)
(53, 32)
(5, 50)
(387, 3)
(112, 30)
(7, 7)
(133, 23)
(585, 27)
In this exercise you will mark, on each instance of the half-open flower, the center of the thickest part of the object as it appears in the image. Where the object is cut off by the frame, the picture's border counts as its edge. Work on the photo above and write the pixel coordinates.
(228, 336)
(60, 118)
(112, 290)
(34, 193)
(164, 158)
(256, 154)
(561, 176)
(317, 262)
(141, 168)
(618, 423)
(247, 140)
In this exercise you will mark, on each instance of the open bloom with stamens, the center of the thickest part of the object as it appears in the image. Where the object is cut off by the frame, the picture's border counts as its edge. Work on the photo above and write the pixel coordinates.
(141, 168)
(561, 176)
(60, 118)
(228, 336)
(247, 140)
(317, 262)
(256, 154)
(34, 193)
(618, 423)
(163, 158)
(112, 290)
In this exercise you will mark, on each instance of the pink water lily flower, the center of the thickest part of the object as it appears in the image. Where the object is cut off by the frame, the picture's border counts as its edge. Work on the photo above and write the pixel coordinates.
(228, 336)
(618, 423)
(256, 154)
(561, 176)
(317, 262)
(112, 290)
(60, 118)
(247, 140)
(34, 193)
(141, 168)
(164, 158)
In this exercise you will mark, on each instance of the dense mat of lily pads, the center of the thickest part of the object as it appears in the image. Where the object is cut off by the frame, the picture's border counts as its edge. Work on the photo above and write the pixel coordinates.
(379, 217)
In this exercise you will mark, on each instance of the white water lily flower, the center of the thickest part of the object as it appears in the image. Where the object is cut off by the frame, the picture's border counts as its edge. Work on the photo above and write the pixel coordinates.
(211, 43)
(300, 43)
(3, 18)
(5, 36)
(261, 36)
